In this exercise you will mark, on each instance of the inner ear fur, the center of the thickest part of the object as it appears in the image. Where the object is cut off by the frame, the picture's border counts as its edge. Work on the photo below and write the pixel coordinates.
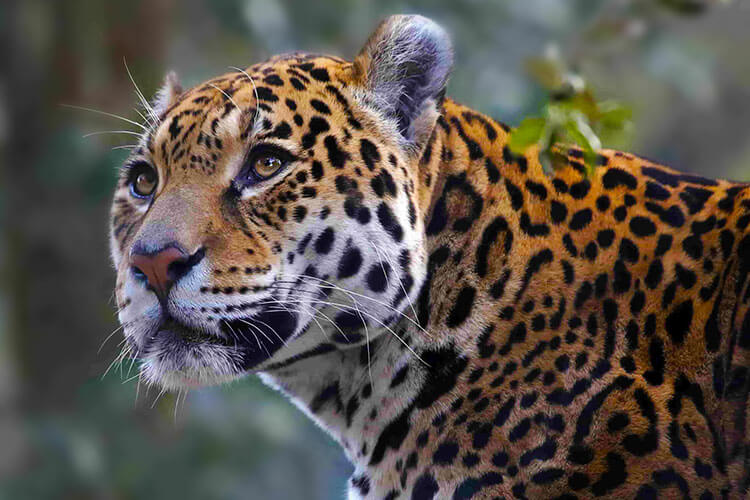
(402, 72)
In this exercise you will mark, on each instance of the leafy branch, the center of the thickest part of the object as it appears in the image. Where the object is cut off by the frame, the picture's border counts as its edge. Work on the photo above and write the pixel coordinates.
(573, 113)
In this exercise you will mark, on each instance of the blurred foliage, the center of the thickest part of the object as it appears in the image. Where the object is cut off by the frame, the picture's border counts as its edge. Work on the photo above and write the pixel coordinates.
(68, 434)
(574, 115)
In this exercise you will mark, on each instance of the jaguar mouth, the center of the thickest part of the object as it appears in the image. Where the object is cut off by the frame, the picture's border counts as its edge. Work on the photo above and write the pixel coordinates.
(177, 331)
(177, 355)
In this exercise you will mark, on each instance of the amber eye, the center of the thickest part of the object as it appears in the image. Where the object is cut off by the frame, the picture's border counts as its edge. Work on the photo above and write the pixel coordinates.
(266, 165)
(143, 180)
(263, 162)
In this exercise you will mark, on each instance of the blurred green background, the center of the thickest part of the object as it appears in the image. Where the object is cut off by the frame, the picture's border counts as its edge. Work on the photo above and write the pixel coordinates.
(680, 66)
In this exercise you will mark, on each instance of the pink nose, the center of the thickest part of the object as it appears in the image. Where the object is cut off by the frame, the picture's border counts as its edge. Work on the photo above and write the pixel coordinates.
(161, 269)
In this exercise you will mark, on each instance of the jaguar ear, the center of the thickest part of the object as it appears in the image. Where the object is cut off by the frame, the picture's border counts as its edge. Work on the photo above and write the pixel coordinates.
(167, 95)
(402, 72)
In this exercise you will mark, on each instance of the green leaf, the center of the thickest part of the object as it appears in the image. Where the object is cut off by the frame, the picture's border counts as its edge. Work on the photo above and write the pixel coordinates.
(527, 134)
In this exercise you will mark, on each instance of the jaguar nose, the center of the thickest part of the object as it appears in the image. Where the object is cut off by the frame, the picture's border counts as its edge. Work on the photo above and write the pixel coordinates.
(163, 268)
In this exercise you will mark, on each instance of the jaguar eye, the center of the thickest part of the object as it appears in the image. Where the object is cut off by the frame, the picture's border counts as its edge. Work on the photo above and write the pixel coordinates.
(263, 162)
(143, 180)
(266, 165)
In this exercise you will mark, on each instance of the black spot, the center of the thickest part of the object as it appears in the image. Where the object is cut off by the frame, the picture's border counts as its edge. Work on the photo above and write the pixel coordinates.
(320, 106)
(661, 176)
(317, 126)
(654, 274)
(520, 430)
(362, 483)
(693, 246)
(618, 177)
(336, 156)
(532, 229)
(389, 222)
(317, 170)
(493, 174)
(533, 266)
(299, 213)
(656, 191)
(580, 219)
(605, 238)
(377, 276)
(350, 263)
(558, 211)
(537, 189)
(548, 475)
(489, 236)
(324, 243)
(614, 476)
(679, 320)
(446, 365)
(695, 198)
(399, 377)
(516, 196)
(642, 226)
(579, 190)
(462, 307)
(445, 453)
(663, 244)
(320, 74)
(266, 94)
(369, 152)
(602, 203)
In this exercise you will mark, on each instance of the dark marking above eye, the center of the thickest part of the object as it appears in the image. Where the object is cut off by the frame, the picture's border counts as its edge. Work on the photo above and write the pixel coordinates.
(297, 84)
(266, 94)
(281, 131)
(320, 106)
(336, 156)
(370, 154)
(317, 126)
(274, 80)
(320, 74)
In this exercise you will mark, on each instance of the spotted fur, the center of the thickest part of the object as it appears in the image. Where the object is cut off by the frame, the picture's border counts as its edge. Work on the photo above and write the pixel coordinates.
(464, 325)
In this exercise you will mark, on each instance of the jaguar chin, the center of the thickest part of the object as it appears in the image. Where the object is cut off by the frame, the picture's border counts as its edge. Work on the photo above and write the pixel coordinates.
(462, 323)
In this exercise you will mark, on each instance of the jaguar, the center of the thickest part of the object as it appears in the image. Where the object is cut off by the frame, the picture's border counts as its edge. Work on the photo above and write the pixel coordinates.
(462, 323)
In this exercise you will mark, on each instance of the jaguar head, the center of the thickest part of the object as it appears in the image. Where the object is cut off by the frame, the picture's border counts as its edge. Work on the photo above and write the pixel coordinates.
(277, 212)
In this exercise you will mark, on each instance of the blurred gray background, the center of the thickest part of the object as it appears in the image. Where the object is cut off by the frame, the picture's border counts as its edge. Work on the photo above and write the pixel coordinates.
(681, 66)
